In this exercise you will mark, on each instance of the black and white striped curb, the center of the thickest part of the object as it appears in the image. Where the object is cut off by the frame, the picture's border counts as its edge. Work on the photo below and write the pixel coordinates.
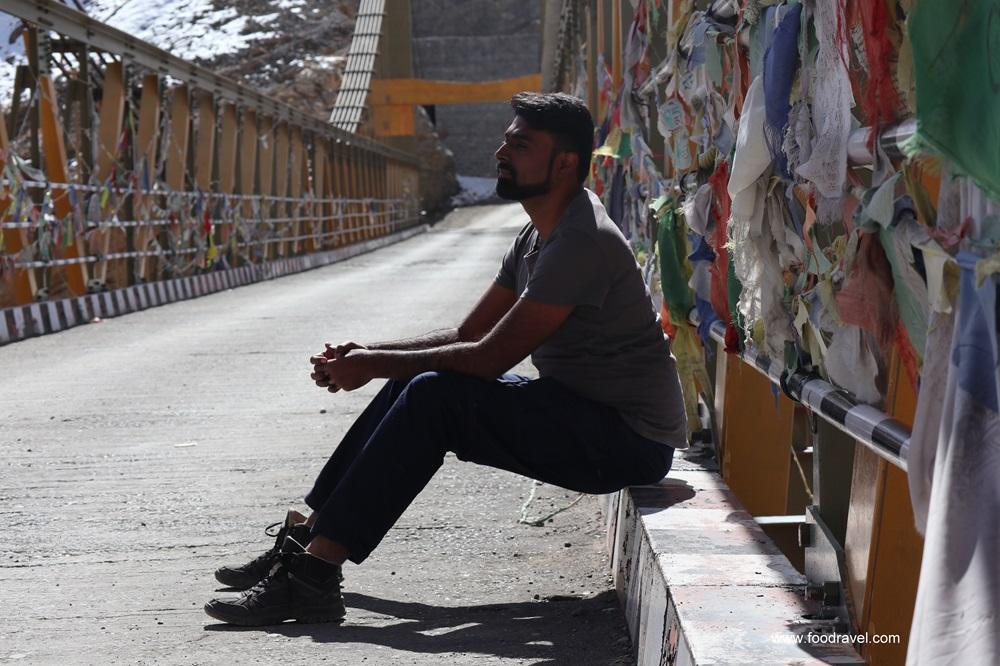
(875, 429)
(26, 321)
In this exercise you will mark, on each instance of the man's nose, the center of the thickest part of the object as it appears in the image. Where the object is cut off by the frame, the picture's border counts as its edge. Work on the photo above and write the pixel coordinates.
(500, 152)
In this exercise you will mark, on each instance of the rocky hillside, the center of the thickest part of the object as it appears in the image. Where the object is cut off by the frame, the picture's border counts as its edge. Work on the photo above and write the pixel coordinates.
(298, 50)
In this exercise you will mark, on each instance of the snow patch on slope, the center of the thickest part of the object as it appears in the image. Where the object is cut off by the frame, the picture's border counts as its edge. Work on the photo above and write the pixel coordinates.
(189, 29)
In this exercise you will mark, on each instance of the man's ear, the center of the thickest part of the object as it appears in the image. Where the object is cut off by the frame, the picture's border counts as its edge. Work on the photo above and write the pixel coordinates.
(568, 163)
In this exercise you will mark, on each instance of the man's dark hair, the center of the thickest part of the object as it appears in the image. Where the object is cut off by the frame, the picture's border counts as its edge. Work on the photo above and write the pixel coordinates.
(566, 117)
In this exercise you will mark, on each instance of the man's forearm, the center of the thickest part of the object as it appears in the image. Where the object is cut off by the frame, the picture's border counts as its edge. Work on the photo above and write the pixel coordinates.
(463, 357)
(432, 340)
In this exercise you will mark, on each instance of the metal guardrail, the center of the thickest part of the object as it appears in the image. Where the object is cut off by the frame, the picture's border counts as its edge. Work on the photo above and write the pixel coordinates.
(891, 139)
(178, 171)
(873, 428)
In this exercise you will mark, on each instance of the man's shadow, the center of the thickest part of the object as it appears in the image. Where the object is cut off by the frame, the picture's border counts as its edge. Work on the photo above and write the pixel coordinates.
(562, 630)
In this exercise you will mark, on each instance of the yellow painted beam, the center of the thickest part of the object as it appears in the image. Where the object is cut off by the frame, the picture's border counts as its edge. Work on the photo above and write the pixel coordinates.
(25, 285)
(351, 192)
(205, 147)
(265, 173)
(419, 91)
(319, 192)
(228, 136)
(227, 151)
(112, 117)
(757, 427)
(281, 184)
(602, 49)
(394, 120)
(616, 44)
(591, 62)
(248, 159)
(145, 161)
(295, 185)
(177, 146)
(340, 191)
(54, 154)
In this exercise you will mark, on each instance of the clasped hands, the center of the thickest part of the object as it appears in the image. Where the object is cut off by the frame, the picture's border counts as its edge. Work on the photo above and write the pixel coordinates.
(345, 366)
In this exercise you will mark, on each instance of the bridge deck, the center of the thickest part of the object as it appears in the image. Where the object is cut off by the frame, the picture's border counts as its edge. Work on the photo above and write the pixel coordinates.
(140, 453)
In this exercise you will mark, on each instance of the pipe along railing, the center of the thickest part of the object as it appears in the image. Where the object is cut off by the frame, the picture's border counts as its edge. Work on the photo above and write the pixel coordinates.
(878, 431)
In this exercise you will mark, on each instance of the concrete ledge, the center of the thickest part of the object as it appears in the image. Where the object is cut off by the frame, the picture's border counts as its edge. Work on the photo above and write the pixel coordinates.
(27, 321)
(701, 583)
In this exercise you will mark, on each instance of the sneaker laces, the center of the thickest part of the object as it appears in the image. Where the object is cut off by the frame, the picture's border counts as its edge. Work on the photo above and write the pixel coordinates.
(270, 553)
(277, 544)
(280, 569)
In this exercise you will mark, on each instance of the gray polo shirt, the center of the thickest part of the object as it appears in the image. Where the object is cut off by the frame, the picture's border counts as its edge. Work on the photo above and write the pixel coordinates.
(611, 349)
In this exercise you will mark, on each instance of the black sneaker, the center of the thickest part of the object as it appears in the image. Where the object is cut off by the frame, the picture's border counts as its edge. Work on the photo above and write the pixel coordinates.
(247, 575)
(301, 587)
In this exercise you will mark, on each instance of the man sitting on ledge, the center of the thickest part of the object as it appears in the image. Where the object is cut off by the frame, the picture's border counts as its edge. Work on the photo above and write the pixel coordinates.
(605, 413)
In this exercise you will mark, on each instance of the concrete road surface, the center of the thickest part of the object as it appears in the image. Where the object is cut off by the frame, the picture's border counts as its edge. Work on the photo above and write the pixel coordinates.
(138, 454)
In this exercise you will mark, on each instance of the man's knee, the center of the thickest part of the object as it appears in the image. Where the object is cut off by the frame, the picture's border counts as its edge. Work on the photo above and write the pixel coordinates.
(437, 389)
(426, 384)
(429, 377)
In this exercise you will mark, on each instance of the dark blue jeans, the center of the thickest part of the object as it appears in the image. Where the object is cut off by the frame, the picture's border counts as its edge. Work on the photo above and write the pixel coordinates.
(537, 428)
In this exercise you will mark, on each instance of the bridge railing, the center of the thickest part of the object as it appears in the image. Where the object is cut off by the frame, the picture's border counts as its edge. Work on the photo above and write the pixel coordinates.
(122, 164)
(842, 265)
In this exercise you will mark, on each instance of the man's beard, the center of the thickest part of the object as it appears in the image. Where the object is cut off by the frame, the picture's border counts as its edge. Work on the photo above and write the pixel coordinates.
(509, 189)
